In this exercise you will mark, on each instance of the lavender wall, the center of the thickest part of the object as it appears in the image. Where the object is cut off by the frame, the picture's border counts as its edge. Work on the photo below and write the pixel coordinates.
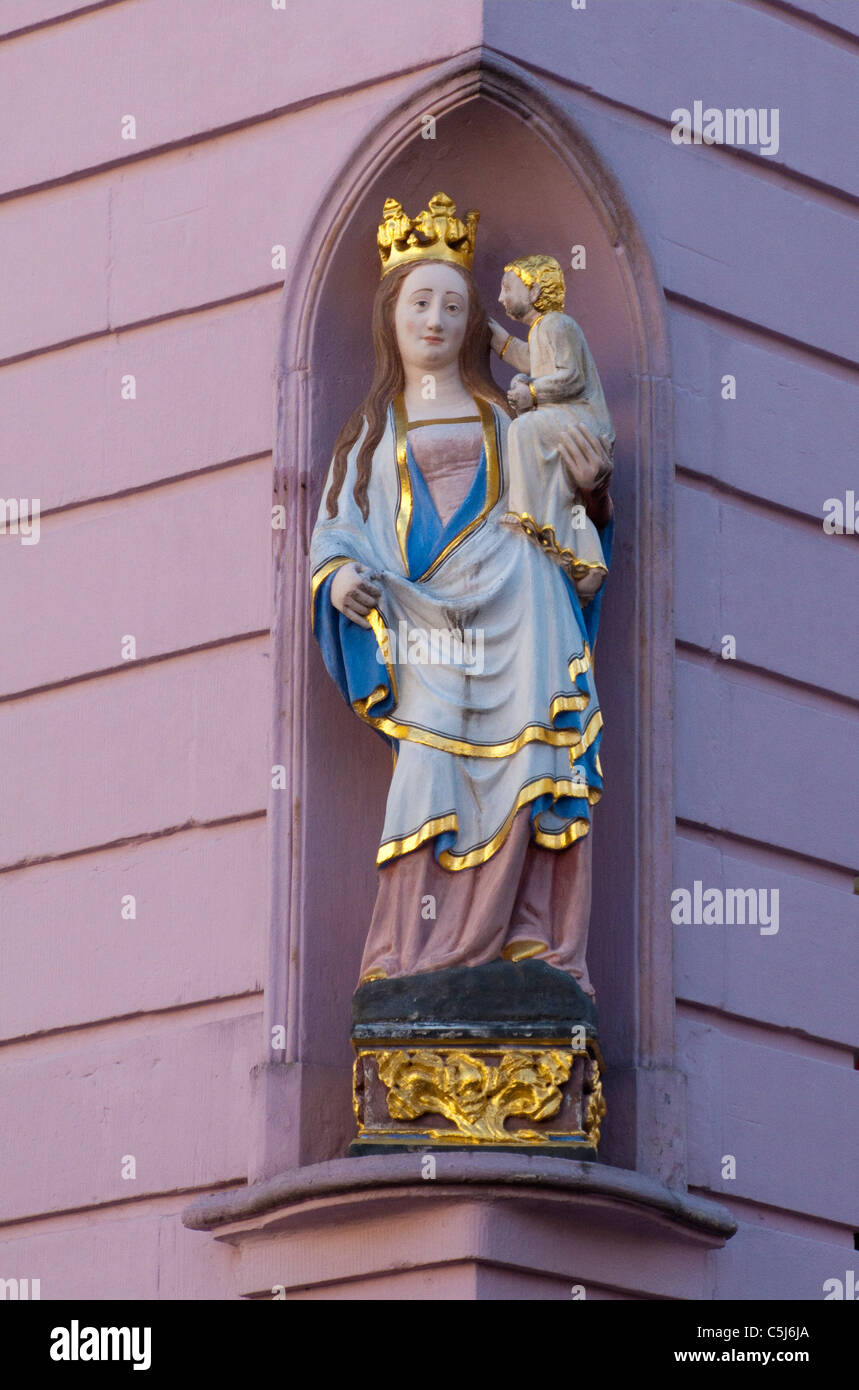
(151, 776)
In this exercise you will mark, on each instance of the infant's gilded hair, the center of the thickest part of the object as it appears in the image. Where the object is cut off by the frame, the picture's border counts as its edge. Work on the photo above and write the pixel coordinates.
(546, 272)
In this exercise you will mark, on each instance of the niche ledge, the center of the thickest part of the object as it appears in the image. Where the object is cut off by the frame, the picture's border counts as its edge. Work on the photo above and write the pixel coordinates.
(460, 1226)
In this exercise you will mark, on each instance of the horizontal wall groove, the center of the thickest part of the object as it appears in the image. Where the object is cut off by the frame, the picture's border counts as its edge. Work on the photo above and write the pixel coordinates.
(140, 325)
(797, 858)
(767, 170)
(793, 180)
(766, 677)
(273, 287)
(171, 1203)
(767, 338)
(154, 484)
(763, 1032)
(201, 137)
(767, 508)
(117, 1203)
(775, 1218)
(123, 667)
(798, 18)
(442, 1264)
(223, 1007)
(123, 841)
(53, 21)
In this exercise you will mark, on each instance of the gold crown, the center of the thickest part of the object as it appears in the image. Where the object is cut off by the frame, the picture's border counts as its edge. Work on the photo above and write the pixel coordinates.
(435, 233)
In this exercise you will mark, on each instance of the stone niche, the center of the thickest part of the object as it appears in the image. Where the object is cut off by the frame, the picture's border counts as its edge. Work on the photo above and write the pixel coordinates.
(417, 1211)
(505, 146)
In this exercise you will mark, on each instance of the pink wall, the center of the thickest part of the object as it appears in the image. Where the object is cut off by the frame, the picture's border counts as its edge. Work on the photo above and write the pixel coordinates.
(151, 777)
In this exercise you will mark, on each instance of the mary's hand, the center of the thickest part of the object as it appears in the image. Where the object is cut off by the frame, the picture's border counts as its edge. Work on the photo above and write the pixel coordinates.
(353, 592)
(587, 457)
(589, 466)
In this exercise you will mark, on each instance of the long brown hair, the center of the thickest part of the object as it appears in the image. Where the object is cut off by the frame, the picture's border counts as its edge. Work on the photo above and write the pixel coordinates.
(389, 381)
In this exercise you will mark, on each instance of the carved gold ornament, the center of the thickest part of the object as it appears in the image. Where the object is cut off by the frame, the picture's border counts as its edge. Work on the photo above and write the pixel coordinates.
(596, 1105)
(546, 538)
(475, 1095)
(435, 233)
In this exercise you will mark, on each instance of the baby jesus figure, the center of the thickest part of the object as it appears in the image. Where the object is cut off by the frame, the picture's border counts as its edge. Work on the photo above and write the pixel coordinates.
(557, 386)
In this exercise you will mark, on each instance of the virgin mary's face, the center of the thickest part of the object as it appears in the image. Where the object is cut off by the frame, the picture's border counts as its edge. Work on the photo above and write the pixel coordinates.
(431, 316)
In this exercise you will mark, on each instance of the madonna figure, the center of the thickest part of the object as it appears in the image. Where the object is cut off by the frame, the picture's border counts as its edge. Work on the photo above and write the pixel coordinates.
(485, 852)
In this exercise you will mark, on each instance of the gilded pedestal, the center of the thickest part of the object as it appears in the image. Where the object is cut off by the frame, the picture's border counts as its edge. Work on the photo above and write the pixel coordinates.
(497, 1057)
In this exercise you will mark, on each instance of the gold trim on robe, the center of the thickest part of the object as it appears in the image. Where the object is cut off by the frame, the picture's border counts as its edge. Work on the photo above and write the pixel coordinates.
(555, 839)
(546, 538)
(406, 501)
(532, 733)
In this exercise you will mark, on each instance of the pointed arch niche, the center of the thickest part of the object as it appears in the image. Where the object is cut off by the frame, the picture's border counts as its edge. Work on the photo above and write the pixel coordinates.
(503, 146)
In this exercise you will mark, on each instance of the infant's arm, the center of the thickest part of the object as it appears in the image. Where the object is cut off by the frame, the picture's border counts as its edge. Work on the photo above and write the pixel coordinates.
(510, 348)
(516, 354)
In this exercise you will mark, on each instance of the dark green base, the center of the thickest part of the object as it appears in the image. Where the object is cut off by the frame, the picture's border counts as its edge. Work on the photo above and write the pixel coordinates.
(495, 1001)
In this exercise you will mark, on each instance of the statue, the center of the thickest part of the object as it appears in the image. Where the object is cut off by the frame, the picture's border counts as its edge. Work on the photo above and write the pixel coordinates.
(557, 385)
(484, 863)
